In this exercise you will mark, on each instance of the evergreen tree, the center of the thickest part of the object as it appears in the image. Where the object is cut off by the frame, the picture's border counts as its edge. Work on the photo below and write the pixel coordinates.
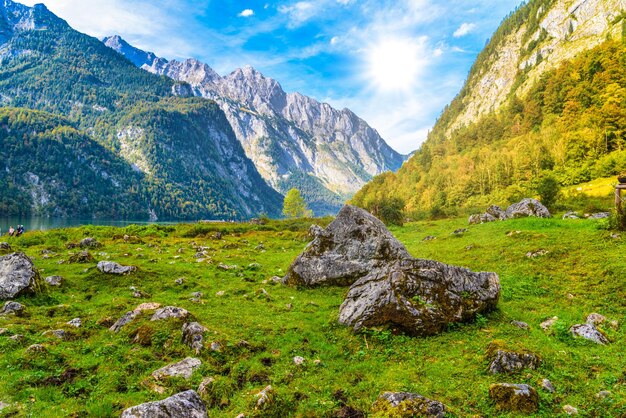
(294, 206)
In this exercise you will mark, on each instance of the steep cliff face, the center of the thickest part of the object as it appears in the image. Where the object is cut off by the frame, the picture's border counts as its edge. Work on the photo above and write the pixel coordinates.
(546, 98)
(553, 32)
(293, 140)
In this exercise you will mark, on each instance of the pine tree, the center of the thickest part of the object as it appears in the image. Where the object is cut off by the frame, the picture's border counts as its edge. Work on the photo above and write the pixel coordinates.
(294, 205)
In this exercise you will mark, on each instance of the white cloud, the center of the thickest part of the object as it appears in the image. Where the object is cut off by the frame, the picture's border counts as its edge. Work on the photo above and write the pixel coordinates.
(345, 2)
(299, 12)
(334, 40)
(464, 29)
(246, 13)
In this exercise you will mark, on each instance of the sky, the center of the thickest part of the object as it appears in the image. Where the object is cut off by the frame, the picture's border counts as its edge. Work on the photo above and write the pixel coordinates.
(395, 63)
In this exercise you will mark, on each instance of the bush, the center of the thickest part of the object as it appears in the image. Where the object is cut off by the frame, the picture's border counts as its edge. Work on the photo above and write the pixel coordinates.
(548, 189)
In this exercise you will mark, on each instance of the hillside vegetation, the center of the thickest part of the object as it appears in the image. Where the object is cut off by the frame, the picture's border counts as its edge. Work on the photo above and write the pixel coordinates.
(261, 326)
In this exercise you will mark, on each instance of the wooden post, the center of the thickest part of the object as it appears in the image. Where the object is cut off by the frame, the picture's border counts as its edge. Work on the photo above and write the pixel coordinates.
(618, 205)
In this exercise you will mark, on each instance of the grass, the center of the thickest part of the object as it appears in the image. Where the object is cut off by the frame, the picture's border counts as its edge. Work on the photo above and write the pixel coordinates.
(98, 373)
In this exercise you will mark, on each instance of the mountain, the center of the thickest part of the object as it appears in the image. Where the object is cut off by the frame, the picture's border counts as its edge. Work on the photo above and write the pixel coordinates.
(293, 140)
(178, 157)
(546, 98)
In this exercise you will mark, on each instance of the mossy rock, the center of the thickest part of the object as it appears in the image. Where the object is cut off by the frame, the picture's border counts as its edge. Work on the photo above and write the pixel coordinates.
(514, 397)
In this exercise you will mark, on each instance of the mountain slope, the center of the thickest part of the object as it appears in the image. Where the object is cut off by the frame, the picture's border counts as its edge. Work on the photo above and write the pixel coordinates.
(46, 65)
(544, 98)
(293, 140)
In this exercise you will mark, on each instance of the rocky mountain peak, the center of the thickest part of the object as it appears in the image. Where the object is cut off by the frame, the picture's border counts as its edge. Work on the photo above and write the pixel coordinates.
(134, 55)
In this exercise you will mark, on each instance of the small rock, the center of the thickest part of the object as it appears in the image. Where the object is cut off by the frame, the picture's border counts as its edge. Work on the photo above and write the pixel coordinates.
(520, 325)
(54, 280)
(76, 322)
(203, 389)
(110, 267)
(3, 331)
(317, 362)
(82, 257)
(429, 238)
(16, 337)
(276, 279)
(589, 332)
(179, 281)
(571, 215)
(193, 336)
(459, 232)
(513, 233)
(535, 254)
(223, 266)
(600, 215)
(603, 394)
(547, 385)
(59, 333)
(36, 349)
(216, 347)
(183, 368)
(298, 361)
(595, 318)
(89, 242)
(570, 410)
(220, 293)
(549, 323)
(616, 236)
(169, 312)
(510, 362)
(12, 308)
(125, 319)
(260, 247)
(405, 404)
(185, 404)
(514, 397)
(265, 397)
(148, 306)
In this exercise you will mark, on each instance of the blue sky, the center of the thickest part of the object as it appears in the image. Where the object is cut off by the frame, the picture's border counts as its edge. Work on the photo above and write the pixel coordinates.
(394, 63)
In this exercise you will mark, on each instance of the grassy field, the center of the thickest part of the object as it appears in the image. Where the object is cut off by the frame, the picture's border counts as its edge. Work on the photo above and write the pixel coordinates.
(99, 373)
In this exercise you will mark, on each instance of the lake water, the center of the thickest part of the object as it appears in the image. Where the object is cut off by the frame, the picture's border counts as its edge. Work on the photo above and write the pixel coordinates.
(34, 223)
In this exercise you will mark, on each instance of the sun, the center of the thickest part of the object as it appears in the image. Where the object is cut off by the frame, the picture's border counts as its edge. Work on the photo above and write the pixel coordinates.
(393, 64)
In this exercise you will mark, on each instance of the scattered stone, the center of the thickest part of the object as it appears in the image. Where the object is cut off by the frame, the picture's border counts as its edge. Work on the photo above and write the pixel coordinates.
(570, 410)
(603, 394)
(600, 215)
(76, 322)
(481, 219)
(17, 276)
(169, 312)
(405, 404)
(196, 297)
(513, 233)
(203, 389)
(59, 333)
(616, 236)
(549, 323)
(298, 360)
(82, 257)
(260, 247)
(110, 267)
(223, 266)
(265, 397)
(429, 238)
(505, 361)
(16, 337)
(185, 404)
(514, 397)
(54, 280)
(353, 245)
(216, 347)
(12, 308)
(571, 215)
(589, 332)
(535, 254)
(179, 281)
(3, 331)
(148, 306)
(459, 232)
(520, 325)
(419, 297)
(193, 336)
(89, 242)
(138, 294)
(276, 279)
(497, 212)
(595, 318)
(548, 386)
(220, 293)
(183, 368)
(36, 349)
(527, 207)
(125, 319)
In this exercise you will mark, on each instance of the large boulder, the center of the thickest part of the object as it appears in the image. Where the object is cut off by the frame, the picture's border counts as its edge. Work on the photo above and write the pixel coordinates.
(352, 246)
(17, 276)
(527, 207)
(419, 297)
(185, 404)
(406, 404)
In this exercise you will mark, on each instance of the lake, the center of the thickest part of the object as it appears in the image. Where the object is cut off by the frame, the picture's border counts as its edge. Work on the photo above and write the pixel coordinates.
(34, 223)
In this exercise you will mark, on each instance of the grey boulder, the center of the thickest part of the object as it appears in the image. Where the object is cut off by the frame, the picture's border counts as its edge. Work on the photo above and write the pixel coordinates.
(353, 245)
(17, 276)
(193, 336)
(169, 312)
(109, 267)
(419, 297)
(406, 404)
(89, 242)
(54, 280)
(185, 404)
(12, 308)
(505, 361)
(183, 368)
(589, 332)
(527, 207)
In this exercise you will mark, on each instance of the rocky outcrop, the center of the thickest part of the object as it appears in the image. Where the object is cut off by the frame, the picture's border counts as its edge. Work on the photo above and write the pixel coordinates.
(131, 315)
(527, 207)
(589, 332)
(183, 368)
(109, 267)
(419, 297)
(193, 336)
(185, 404)
(388, 286)
(17, 276)
(353, 245)
(169, 312)
(407, 405)
(514, 398)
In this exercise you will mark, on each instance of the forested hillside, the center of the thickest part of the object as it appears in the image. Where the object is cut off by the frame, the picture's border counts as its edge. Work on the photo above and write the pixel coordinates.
(569, 123)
